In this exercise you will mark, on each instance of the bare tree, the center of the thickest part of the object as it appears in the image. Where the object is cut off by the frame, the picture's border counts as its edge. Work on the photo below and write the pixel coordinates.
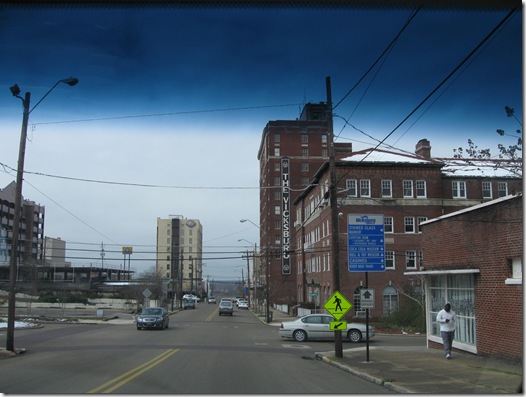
(509, 157)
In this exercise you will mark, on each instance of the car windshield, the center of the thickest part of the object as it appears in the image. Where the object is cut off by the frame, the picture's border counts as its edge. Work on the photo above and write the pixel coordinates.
(152, 312)
(226, 304)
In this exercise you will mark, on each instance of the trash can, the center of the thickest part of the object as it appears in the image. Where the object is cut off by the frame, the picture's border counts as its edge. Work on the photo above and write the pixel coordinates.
(269, 320)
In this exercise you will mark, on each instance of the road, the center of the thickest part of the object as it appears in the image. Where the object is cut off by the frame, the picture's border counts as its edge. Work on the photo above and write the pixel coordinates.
(200, 353)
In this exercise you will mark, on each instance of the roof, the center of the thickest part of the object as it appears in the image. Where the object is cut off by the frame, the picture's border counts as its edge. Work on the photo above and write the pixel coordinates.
(384, 156)
(481, 168)
(474, 208)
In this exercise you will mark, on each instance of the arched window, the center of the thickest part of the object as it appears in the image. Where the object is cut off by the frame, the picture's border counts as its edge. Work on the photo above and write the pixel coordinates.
(390, 300)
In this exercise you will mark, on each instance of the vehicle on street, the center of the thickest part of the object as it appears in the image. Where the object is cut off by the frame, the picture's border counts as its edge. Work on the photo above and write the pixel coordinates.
(240, 300)
(317, 326)
(153, 317)
(226, 307)
(188, 303)
(242, 305)
(212, 300)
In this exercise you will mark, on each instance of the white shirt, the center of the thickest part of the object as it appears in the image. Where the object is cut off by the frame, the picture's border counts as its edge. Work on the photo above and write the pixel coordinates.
(442, 316)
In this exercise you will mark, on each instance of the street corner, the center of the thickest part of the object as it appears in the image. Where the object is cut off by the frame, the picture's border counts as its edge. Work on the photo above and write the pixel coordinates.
(4, 353)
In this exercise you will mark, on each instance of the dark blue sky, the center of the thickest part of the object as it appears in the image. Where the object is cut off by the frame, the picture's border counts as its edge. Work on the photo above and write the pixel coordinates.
(188, 63)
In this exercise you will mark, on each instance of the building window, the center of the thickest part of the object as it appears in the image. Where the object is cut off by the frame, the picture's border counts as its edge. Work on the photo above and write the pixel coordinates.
(277, 225)
(408, 189)
(410, 259)
(420, 220)
(305, 152)
(486, 190)
(277, 241)
(388, 224)
(421, 191)
(277, 195)
(390, 300)
(387, 188)
(409, 223)
(168, 258)
(365, 188)
(324, 152)
(276, 152)
(304, 138)
(277, 138)
(304, 181)
(277, 209)
(304, 167)
(459, 189)
(351, 187)
(277, 166)
(516, 272)
(277, 181)
(389, 259)
(503, 189)
(457, 289)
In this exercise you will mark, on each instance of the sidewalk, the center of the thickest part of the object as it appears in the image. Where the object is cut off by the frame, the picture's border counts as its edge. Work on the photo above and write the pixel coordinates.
(421, 370)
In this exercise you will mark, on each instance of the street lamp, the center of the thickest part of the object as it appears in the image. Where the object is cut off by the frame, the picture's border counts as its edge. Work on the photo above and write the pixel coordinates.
(248, 220)
(15, 90)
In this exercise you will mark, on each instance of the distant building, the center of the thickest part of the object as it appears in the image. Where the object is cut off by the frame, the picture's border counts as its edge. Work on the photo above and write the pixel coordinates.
(31, 239)
(55, 252)
(180, 253)
(474, 261)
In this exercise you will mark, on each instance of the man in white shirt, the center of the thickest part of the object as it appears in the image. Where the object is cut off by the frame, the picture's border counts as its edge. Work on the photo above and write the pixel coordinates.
(447, 320)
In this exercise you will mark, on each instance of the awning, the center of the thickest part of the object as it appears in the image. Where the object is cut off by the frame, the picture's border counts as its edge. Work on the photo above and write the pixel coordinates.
(439, 272)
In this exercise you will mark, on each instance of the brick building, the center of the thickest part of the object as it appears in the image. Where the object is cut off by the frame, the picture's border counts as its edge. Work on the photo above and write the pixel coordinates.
(474, 261)
(407, 190)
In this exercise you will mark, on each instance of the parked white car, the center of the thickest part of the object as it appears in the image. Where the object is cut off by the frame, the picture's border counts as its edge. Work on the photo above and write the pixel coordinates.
(317, 326)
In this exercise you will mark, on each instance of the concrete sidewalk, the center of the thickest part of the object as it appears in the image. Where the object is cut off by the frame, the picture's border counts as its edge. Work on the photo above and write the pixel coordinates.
(422, 370)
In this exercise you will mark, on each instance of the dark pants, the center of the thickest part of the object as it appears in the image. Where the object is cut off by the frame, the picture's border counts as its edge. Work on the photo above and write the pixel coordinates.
(447, 338)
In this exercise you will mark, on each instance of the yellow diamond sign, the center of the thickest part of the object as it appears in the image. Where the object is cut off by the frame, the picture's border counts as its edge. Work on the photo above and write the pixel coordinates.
(337, 305)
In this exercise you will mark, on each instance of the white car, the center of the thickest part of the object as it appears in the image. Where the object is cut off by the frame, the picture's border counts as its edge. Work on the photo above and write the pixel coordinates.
(317, 326)
(242, 305)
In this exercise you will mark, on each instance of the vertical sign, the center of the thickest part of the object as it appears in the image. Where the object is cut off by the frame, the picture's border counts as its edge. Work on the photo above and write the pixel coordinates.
(285, 217)
(366, 246)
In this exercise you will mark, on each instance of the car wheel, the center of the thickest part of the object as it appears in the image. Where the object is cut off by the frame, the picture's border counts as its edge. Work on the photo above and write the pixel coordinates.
(299, 336)
(354, 336)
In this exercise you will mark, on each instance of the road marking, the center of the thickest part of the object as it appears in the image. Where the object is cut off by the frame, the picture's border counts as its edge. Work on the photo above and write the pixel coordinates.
(295, 346)
(132, 374)
(210, 317)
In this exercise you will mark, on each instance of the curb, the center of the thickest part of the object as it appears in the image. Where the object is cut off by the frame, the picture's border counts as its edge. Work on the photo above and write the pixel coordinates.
(388, 385)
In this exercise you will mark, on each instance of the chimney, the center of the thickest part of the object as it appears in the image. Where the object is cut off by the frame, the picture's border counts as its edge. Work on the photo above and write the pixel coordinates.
(423, 149)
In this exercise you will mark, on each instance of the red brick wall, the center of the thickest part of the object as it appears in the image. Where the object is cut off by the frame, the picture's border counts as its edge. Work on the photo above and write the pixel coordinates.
(487, 239)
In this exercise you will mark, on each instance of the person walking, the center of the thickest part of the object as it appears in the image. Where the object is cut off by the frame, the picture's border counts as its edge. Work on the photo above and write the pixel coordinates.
(447, 320)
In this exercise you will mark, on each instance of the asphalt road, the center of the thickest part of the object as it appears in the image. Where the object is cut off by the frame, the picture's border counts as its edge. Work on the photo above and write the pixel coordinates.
(200, 353)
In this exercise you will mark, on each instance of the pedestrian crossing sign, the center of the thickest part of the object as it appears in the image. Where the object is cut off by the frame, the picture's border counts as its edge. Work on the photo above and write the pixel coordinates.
(337, 305)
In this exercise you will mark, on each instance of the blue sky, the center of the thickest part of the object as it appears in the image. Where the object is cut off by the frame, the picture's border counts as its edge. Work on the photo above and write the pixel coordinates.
(179, 97)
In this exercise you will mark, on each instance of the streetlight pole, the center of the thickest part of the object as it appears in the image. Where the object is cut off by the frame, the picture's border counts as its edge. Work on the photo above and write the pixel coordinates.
(15, 90)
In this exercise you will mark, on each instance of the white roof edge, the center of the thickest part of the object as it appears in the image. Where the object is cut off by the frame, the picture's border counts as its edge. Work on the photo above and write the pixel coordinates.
(438, 272)
(473, 208)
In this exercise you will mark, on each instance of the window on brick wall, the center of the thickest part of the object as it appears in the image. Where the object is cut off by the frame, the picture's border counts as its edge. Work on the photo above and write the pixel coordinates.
(305, 152)
(276, 152)
(515, 271)
(277, 166)
(408, 189)
(277, 195)
(409, 223)
(503, 189)
(389, 259)
(277, 210)
(421, 191)
(388, 224)
(459, 189)
(486, 190)
(351, 187)
(365, 188)
(304, 167)
(420, 220)
(304, 138)
(410, 259)
(277, 138)
(387, 188)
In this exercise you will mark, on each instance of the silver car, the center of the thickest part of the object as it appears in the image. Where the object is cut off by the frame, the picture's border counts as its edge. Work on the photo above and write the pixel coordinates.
(317, 326)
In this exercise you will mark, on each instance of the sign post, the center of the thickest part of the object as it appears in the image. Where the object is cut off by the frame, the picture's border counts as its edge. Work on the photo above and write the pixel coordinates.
(366, 252)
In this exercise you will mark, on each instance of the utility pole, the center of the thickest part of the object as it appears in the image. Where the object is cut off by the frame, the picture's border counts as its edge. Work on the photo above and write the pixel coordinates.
(338, 349)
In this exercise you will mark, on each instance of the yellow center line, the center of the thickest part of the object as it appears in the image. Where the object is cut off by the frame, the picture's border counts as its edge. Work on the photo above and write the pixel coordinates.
(132, 374)
(210, 317)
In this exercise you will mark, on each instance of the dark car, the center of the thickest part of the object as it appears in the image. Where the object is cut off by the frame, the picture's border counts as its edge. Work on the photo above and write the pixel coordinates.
(226, 307)
(153, 317)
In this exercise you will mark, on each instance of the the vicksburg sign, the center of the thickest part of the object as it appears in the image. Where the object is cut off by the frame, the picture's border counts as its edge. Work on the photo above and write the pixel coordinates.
(285, 216)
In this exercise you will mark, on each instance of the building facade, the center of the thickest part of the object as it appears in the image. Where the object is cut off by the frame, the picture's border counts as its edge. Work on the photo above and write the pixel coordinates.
(407, 190)
(179, 254)
(31, 239)
(474, 261)
(290, 152)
